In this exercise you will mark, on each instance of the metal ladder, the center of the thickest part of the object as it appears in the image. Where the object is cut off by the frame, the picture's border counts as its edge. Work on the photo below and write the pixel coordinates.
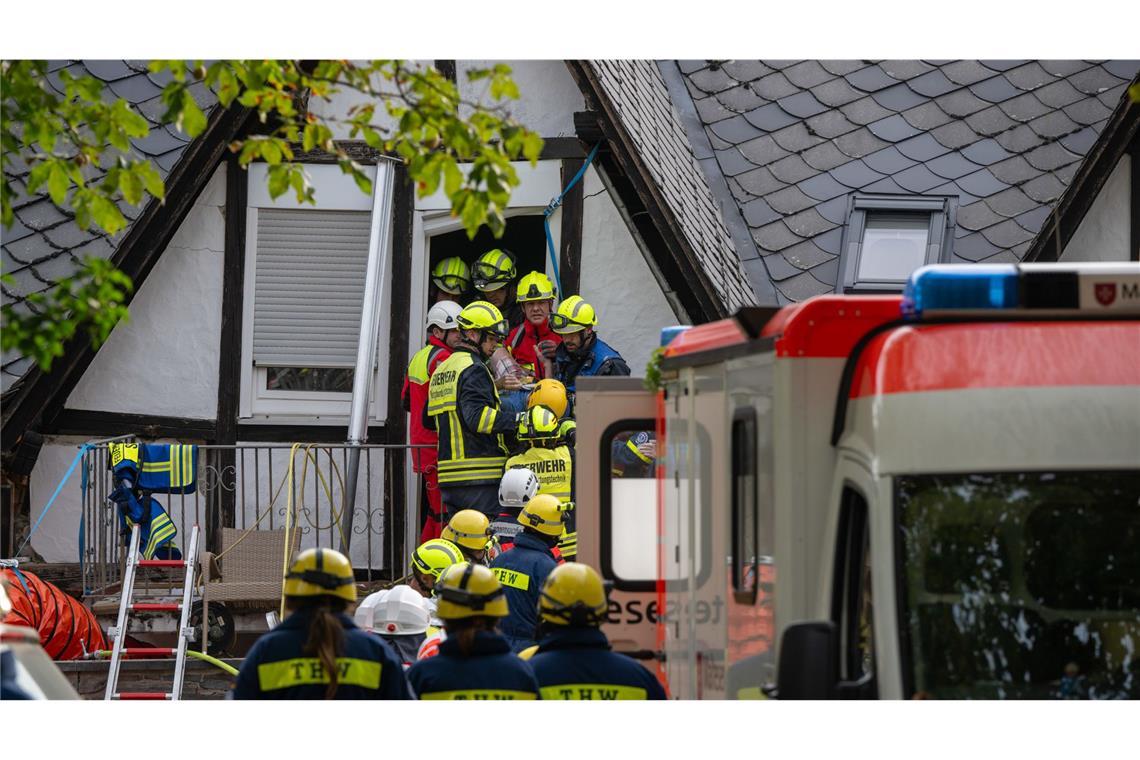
(128, 605)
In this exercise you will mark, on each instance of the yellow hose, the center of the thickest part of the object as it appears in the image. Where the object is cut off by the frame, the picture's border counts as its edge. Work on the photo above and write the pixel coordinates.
(213, 661)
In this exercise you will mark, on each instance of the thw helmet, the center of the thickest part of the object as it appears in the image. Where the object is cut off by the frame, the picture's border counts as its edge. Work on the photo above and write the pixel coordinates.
(538, 424)
(573, 595)
(443, 315)
(550, 393)
(481, 315)
(494, 269)
(451, 276)
(535, 286)
(469, 529)
(434, 556)
(400, 611)
(545, 514)
(573, 315)
(469, 590)
(518, 486)
(321, 572)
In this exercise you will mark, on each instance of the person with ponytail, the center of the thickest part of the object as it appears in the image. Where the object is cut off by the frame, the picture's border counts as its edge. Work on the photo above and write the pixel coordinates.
(474, 661)
(317, 652)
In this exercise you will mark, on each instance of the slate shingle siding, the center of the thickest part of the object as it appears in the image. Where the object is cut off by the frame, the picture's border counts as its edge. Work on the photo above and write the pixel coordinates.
(1004, 137)
(639, 93)
(45, 245)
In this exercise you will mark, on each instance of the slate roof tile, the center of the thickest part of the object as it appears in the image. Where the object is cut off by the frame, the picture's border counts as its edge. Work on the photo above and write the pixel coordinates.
(976, 216)
(904, 70)
(1087, 111)
(926, 116)
(990, 121)
(830, 241)
(1064, 68)
(1065, 173)
(109, 71)
(985, 152)
(1053, 125)
(1044, 189)
(888, 161)
(830, 124)
(834, 210)
(841, 68)
(787, 201)
(136, 88)
(855, 174)
(897, 98)
(25, 250)
(757, 212)
(718, 144)
(158, 142)
(1024, 108)
(735, 130)
(18, 231)
(960, 103)
(779, 65)
(1049, 157)
(65, 236)
(954, 135)
(778, 267)
(774, 86)
(746, 71)
(1034, 219)
(1058, 94)
(806, 255)
(1125, 70)
(917, 179)
(791, 169)
(1019, 139)
(836, 92)
(824, 156)
(25, 282)
(802, 286)
(966, 72)
(40, 215)
(952, 165)
(807, 74)
(712, 110)
(1080, 142)
(1007, 234)
(731, 162)
(1013, 170)
(859, 143)
(974, 247)
(762, 150)
(711, 80)
(802, 104)
(1010, 202)
(892, 129)
(870, 79)
(55, 268)
(1001, 65)
(1029, 76)
(1111, 97)
(932, 84)
(995, 89)
(886, 185)
(758, 182)
(770, 118)
(99, 247)
(688, 67)
(1093, 80)
(774, 237)
(921, 148)
(980, 184)
(827, 272)
(739, 99)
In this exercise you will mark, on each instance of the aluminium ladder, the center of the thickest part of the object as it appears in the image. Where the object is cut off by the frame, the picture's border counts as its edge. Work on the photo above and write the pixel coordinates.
(128, 605)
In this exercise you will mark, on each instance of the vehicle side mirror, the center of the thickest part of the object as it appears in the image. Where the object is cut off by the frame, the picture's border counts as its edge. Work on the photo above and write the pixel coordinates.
(809, 661)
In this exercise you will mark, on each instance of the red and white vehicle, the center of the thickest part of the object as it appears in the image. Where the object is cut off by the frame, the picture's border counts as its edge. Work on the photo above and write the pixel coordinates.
(934, 495)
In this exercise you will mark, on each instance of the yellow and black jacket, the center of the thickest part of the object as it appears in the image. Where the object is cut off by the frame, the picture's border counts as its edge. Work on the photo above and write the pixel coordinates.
(554, 469)
(463, 407)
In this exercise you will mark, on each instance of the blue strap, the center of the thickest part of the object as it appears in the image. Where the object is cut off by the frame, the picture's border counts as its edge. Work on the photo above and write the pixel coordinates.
(74, 463)
(550, 209)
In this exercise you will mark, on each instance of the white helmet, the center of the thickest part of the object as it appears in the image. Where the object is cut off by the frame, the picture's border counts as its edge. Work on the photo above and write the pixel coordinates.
(443, 315)
(400, 611)
(518, 486)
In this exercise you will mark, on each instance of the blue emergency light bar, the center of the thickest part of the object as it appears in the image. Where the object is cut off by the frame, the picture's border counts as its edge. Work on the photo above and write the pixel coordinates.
(668, 333)
(1034, 288)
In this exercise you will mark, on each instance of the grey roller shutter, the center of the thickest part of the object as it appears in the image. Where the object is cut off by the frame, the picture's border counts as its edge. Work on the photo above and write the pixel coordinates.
(309, 287)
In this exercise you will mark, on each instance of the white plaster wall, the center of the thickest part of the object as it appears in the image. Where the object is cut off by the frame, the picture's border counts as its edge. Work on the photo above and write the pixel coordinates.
(57, 537)
(1105, 231)
(618, 283)
(548, 96)
(164, 359)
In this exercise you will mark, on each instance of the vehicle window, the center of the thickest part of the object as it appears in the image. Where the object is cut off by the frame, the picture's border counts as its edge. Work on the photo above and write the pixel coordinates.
(851, 601)
(629, 503)
(745, 559)
(1021, 585)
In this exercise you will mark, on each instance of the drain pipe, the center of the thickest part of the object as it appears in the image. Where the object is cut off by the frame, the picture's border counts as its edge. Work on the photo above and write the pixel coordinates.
(379, 257)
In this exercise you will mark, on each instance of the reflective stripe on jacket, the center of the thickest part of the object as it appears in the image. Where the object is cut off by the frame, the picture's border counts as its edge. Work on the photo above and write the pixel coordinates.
(576, 663)
(489, 672)
(414, 396)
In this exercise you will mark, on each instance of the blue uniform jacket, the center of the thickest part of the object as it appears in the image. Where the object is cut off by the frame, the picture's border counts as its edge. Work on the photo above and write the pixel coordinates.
(600, 360)
(576, 663)
(489, 672)
(276, 667)
(522, 570)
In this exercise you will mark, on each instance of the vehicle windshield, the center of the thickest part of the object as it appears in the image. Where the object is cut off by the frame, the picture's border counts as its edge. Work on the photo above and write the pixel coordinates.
(1021, 585)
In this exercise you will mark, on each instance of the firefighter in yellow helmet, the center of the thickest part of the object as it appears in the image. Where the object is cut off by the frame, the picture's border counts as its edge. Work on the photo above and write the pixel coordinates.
(582, 353)
(533, 343)
(317, 652)
(545, 454)
(428, 561)
(574, 660)
(523, 568)
(474, 661)
(463, 407)
(494, 273)
(551, 393)
(470, 530)
(452, 280)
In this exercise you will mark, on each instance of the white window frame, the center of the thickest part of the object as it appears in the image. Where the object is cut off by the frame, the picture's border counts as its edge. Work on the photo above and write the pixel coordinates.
(939, 236)
(335, 191)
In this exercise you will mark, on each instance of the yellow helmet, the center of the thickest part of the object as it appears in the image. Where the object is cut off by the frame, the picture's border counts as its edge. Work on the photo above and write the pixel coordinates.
(469, 528)
(452, 276)
(469, 590)
(538, 423)
(529, 652)
(481, 315)
(545, 514)
(550, 393)
(434, 556)
(573, 595)
(494, 269)
(321, 572)
(573, 315)
(535, 287)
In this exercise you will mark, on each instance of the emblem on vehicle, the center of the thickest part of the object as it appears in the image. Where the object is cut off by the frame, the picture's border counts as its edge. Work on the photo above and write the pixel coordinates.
(1105, 293)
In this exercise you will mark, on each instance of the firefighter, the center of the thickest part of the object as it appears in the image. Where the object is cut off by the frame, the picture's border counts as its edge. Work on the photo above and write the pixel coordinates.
(428, 562)
(533, 343)
(470, 530)
(552, 462)
(551, 393)
(463, 407)
(317, 652)
(494, 272)
(442, 338)
(452, 280)
(400, 616)
(474, 661)
(573, 660)
(634, 455)
(582, 353)
(517, 487)
(523, 569)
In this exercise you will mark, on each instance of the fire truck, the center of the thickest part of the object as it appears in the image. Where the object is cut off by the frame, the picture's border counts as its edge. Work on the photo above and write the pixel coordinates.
(932, 495)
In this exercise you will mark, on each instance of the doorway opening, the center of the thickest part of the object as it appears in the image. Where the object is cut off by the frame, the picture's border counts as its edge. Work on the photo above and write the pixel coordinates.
(524, 238)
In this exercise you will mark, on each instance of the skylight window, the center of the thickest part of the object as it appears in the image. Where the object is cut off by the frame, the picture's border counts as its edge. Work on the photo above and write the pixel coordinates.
(887, 238)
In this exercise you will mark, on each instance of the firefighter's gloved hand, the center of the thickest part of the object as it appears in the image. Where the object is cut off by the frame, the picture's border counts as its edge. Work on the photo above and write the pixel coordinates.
(547, 348)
